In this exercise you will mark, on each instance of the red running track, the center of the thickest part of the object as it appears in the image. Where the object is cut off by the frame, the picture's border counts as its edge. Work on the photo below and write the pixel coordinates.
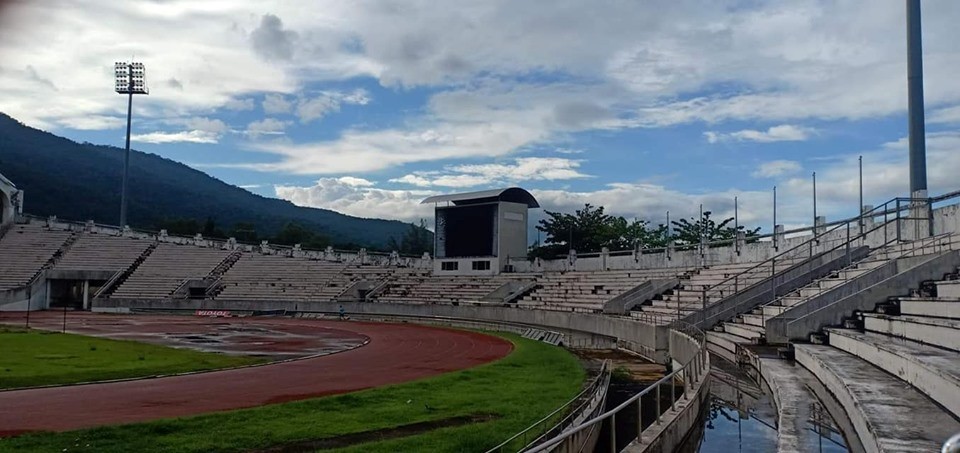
(396, 353)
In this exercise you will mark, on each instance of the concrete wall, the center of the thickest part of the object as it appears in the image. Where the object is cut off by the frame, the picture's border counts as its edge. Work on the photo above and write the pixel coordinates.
(648, 340)
(32, 297)
(10, 201)
(512, 232)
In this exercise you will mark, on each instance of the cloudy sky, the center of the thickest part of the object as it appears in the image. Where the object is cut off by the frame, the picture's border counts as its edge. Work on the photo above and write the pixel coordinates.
(366, 107)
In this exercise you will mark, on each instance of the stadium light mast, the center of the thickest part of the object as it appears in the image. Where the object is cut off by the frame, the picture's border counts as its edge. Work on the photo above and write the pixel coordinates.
(918, 153)
(130, 80)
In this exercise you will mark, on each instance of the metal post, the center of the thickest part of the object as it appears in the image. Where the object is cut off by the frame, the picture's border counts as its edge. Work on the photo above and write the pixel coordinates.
(64, 318)
(658, 404)
(613, 433)
(702, 228)
(814, 205)
(669, 237)
(126, 156)
(775, 241)
(673, 393)
(736, 227)
(860, 208)
(640, 418)
(898, 220)
(918, 158)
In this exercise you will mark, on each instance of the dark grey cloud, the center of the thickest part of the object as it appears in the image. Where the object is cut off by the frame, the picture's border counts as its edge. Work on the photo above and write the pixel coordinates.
(270, 41)
(175, 84)
(33, 75)
(580, 114)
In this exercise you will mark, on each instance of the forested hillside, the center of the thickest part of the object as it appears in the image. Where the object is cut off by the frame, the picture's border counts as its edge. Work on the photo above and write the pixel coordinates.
(81, 181)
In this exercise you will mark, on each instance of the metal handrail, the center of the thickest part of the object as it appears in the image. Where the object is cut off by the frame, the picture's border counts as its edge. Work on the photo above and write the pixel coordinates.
(914, 246)
(592, 387)
(690, 373)
(733, 281)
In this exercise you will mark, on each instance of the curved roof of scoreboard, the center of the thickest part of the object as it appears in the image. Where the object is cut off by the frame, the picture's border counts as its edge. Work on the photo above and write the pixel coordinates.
(510, 194)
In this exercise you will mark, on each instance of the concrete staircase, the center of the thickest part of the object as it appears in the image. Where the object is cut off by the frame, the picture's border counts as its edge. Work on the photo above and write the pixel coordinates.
(750, 328)
(897, 373)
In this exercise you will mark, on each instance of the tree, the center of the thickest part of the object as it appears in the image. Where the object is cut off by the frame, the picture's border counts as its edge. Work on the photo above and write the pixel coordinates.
(294, 233)
(689, 232)
(415, 241)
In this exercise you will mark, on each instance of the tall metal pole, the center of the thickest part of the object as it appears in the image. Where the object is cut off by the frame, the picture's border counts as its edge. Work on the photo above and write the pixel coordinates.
(860, 207)
(775, 218)
(814, 204)
(126, 156)
(918, 158)
(736, 227)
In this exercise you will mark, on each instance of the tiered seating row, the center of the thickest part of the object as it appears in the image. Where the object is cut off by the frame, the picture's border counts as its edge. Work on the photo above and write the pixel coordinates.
(167, 267)
(427, 289)
(96, 252)
(588, 291)
(269, 277)
(24, 250)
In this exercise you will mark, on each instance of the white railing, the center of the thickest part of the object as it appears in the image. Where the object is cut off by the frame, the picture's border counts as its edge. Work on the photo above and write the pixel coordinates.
(690, 375)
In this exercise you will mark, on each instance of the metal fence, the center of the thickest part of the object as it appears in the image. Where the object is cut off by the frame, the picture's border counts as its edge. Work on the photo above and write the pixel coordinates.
(687, 378)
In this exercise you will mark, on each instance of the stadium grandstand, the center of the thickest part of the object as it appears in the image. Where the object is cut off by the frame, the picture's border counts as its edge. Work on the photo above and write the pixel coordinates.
(850, 313)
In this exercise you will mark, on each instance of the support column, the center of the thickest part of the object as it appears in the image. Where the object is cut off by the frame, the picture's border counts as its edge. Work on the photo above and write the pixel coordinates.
(86, 294)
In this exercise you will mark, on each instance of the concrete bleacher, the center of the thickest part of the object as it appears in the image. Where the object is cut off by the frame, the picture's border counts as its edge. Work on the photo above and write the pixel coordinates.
(102, 252)
(588, 290)
(166, 268)
(715, 282)
(893, 374)
(25, 250)
(749, 328)
(417, 288)
(271, 277)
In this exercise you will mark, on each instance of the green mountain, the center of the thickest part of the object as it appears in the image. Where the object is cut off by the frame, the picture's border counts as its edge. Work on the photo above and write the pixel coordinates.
(77, 181)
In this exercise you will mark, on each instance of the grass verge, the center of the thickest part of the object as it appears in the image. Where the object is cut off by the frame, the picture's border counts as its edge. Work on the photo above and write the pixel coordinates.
(518, 389)
(35, 358)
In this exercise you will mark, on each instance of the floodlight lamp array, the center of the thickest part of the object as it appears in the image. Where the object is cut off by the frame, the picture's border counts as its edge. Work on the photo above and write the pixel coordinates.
(125, 72)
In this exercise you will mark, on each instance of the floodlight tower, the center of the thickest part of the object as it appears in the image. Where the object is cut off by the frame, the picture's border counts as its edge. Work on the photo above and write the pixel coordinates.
(918, 153)
(130, 80)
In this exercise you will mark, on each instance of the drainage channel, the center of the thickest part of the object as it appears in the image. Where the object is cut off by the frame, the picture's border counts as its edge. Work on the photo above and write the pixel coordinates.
(742, 418)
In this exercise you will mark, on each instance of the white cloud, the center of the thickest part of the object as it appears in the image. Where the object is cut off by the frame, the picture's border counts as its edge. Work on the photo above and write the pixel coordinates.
(781, 133)
(266, 126)
(358, 197)
(276, 103)
(522, 169)
(194, 136)
(317, 107)
(239, 104)
(947, 115)
(776, 168)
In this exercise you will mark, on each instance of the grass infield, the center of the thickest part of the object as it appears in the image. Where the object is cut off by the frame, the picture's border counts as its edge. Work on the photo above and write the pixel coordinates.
(36, 357)
(512, 393)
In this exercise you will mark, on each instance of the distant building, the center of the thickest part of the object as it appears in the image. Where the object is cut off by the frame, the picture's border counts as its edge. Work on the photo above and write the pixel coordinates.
(11, 201)
(478, 232)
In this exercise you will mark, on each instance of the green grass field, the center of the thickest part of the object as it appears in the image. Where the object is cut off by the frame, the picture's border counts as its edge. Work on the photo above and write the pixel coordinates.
(35, 357)
(516, 391)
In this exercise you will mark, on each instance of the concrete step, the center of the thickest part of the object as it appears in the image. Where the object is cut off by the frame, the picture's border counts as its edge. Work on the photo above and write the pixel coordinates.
(933, 371)
(793, 300)
(753, 333)
(726, 341)
(931, 307)
(773, 310)
(948, 288)
(753, 319)
(944, 333)
(887, 413)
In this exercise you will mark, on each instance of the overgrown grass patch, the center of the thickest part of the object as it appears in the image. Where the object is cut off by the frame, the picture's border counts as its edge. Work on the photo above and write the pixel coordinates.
(518, 389)
(35, 358)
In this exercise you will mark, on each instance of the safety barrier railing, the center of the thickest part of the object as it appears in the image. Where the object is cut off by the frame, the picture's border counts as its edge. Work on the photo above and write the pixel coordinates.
(806, 249)
(689, 375)
(933, 244)
(543, 428)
